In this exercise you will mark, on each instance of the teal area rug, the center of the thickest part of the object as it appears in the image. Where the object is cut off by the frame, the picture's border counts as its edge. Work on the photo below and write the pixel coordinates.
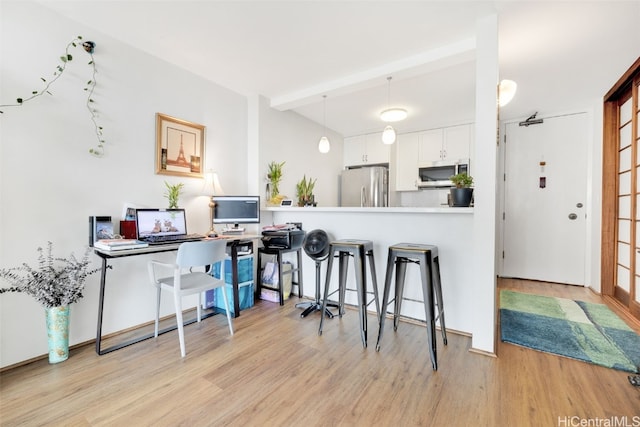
(576, 329)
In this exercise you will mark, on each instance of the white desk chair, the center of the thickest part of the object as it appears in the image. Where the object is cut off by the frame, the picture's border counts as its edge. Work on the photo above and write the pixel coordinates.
(185, 281)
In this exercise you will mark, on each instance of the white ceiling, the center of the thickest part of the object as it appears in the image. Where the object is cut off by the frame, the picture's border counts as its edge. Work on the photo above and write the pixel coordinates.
(563, 55)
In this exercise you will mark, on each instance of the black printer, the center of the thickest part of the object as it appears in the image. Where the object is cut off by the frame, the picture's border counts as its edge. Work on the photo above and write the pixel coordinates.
(285, 236)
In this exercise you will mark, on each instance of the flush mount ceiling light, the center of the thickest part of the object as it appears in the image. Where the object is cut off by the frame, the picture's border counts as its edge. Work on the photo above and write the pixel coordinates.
(324, 145)
(393, 115)
(506, 92)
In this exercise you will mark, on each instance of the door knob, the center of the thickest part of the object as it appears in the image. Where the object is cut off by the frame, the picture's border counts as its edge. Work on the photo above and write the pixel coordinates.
(573, 216)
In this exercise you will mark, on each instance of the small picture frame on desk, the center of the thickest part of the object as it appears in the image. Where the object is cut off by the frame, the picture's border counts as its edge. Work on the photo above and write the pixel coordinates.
(179, 147)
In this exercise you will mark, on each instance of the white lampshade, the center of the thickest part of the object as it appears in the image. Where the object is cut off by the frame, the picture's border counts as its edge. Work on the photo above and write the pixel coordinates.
(506, 92)
(388, 135)
(393, 115)
(212, 185)
(323, 145)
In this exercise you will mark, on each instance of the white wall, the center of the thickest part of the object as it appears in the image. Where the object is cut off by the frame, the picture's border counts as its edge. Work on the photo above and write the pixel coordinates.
(288, 137)
(50, 185)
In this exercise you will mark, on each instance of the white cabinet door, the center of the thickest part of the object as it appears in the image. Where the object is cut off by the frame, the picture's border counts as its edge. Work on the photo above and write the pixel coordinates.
(354, 150)
(452, 143)
(456, 143)
(431, 146)
(365, 149)
(377, 152)
(407, 148)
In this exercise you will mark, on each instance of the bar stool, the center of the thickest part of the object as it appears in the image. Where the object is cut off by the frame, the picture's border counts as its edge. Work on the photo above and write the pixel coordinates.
(426, 256)
(360, 250)
(278, 253)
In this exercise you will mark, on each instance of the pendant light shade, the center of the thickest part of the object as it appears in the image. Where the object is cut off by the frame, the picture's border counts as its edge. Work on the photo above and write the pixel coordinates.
(388, 135)
(324, 145)
(391, 115)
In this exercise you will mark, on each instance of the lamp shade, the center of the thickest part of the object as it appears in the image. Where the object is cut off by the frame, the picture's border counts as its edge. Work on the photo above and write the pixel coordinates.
(323, 145)
(389, 135)
(506, 92)
(212, 185)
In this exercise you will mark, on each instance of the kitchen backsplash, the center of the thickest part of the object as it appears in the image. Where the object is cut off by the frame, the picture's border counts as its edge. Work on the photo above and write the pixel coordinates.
(433, 198)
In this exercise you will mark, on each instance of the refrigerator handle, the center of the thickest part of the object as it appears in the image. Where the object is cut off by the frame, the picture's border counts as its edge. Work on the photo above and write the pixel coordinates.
(363, 197)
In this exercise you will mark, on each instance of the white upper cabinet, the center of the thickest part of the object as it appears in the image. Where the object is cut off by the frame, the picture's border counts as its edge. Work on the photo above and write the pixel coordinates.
(452, 143)
(407, 147)
(365, 149)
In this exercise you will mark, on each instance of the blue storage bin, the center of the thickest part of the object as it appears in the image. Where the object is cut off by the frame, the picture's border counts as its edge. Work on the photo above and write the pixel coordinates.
(245, 270)
(213, 298)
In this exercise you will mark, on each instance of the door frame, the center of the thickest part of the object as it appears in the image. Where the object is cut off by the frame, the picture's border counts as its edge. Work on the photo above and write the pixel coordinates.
(610, 188)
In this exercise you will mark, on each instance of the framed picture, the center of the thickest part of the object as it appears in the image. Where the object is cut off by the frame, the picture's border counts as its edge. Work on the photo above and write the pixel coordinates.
(179, 147)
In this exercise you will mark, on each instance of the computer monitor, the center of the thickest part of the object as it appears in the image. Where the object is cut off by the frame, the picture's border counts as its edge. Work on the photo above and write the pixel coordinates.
(236, 210)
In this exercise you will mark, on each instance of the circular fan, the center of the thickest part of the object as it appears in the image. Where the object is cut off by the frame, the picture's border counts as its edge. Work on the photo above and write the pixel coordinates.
(316, 244)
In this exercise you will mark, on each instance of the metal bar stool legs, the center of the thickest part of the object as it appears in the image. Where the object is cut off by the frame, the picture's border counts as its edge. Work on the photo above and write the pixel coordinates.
(426, 256)
(361, 251)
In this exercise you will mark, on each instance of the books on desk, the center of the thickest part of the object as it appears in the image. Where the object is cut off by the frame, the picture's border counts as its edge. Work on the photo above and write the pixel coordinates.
(119, 244)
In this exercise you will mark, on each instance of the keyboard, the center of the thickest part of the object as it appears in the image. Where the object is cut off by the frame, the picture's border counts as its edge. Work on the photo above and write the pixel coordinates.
(165, 240)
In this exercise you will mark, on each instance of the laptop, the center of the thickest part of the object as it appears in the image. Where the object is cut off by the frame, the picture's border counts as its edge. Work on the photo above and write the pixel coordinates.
(163, 226)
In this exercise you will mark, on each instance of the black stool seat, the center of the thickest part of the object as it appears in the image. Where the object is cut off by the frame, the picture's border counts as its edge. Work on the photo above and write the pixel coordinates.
(360, 250)
(426, 256)
(278, 253)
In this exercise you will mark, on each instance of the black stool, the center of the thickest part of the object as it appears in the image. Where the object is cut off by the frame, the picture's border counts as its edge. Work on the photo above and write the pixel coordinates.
(360, 250)
(426, 256)
(278, 253)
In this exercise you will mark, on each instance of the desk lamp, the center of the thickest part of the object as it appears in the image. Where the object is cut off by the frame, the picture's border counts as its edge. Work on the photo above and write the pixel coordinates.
(212, 188)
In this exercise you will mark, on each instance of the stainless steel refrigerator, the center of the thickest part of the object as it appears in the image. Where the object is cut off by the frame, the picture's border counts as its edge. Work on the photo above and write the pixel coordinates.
(365, 187)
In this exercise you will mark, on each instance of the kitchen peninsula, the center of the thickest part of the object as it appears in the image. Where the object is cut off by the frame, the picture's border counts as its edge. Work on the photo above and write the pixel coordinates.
(451, 229)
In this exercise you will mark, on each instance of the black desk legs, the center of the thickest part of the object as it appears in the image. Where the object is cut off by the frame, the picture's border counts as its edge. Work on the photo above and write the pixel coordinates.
(103, 277)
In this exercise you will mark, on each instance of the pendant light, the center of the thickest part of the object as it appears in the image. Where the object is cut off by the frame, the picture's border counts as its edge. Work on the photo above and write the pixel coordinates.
(323, 145)
(391, 115)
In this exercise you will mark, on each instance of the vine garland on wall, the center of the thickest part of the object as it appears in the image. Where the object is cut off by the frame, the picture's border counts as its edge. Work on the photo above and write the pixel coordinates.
(90, 86)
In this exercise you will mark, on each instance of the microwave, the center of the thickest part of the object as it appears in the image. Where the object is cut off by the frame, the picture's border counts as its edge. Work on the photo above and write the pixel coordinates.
(438, 174)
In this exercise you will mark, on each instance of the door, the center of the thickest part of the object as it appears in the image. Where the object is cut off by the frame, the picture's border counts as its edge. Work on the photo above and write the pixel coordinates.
(544, 221)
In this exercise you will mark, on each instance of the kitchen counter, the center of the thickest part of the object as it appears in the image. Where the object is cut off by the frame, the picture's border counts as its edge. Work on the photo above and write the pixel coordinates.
(443, 209)
(451, 229)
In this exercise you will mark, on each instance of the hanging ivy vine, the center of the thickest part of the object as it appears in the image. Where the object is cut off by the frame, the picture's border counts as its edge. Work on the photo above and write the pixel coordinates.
(90, 86)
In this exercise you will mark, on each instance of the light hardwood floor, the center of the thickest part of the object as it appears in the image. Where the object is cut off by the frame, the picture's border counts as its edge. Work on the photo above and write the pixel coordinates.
(276, 370)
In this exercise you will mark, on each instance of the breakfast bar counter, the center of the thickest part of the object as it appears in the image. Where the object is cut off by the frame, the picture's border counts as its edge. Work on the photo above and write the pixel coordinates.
(451, 229)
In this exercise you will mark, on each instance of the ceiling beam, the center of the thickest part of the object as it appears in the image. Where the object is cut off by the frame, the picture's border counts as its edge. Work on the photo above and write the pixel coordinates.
(419, 64)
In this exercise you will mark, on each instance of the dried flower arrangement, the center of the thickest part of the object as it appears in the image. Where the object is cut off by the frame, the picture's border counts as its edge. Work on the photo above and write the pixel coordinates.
(55, 282)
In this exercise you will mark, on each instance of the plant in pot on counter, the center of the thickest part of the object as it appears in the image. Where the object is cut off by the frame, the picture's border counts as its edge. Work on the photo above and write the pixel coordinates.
(274, 174)
(462, 193)
(304, 192)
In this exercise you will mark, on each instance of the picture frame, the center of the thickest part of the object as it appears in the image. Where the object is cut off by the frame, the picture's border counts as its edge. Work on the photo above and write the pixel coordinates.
(179, 147)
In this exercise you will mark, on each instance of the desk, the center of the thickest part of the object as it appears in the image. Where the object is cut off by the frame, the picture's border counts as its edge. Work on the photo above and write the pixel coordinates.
(233, 242)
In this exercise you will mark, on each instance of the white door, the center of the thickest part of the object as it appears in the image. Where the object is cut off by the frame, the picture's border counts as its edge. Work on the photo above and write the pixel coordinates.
(544, 226)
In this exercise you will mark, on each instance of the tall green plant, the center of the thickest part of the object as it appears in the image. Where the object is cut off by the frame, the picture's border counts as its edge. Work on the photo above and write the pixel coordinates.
(274, 174)
(173, 194)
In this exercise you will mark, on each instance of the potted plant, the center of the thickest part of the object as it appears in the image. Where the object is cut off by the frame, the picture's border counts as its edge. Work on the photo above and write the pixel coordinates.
(54, 284)
(173, 194)
(304, 192)
(274, 174)
(462, 193)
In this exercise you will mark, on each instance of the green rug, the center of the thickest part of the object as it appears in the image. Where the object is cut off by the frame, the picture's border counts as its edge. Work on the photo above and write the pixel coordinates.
(576, 329)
